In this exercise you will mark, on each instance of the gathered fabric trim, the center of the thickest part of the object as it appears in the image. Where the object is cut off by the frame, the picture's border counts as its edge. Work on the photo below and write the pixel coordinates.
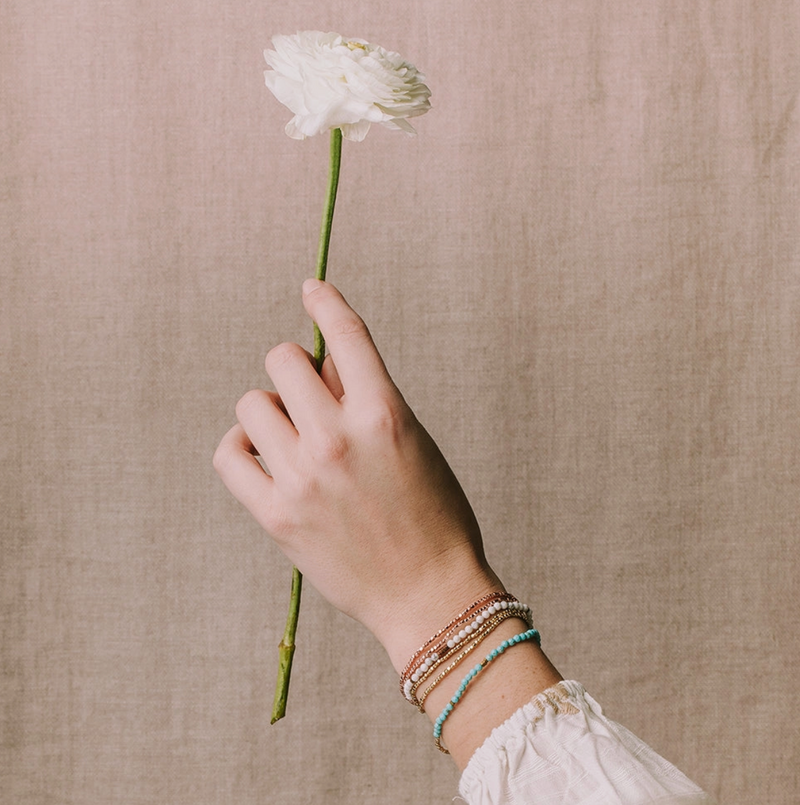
(560, 748)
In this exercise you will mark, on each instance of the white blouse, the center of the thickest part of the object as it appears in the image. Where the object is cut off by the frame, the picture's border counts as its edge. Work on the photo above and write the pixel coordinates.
(560, 748)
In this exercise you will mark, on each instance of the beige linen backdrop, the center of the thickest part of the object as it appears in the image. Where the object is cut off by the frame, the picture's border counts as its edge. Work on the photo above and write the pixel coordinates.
(584, 275)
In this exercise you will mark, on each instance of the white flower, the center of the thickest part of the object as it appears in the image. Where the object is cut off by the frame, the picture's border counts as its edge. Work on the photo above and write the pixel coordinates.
(330, 82)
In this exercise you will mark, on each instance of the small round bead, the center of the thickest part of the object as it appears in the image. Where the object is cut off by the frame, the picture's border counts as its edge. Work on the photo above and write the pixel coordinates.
(451, 643)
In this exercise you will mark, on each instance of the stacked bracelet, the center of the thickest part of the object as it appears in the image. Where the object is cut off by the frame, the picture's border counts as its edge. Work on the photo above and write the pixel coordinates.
(465, 647)
(469, 627)
(426, 651)
(456, 641)
(531, 634)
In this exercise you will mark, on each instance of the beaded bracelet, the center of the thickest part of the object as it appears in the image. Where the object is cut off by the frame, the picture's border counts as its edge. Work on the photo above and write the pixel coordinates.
(460, 635)
(467, 614)
(475, 639)
(445, 642)
(429, 647)
(495, 622)
(531, 634)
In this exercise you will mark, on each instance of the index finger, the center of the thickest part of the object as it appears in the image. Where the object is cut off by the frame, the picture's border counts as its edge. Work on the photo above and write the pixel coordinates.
(359, 364)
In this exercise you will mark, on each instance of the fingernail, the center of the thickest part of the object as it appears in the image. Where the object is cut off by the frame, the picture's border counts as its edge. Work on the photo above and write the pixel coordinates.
(311, 285)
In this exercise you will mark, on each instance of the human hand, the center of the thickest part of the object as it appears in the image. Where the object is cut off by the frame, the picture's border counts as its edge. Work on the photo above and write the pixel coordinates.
(357, 494)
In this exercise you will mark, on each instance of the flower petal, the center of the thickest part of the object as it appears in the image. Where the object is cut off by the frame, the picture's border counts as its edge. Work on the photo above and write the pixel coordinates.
(331, 82)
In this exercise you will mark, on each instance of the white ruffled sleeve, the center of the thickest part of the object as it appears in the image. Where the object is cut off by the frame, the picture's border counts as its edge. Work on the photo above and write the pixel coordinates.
(560, 748)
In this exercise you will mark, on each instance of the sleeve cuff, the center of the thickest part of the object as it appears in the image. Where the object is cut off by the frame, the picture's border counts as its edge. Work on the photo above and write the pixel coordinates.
(560, 748)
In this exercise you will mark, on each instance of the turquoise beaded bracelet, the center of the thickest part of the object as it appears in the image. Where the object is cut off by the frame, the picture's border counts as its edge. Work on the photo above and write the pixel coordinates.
(531, 634)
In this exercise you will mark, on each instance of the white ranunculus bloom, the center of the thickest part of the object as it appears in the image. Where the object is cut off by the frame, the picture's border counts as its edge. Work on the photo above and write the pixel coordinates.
(330, 82)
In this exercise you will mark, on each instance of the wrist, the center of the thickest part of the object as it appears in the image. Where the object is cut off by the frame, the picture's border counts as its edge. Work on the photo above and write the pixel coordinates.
(427, 609)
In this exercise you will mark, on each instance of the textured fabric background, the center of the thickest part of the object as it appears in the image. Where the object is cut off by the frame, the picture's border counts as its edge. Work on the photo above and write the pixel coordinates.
(584, 273)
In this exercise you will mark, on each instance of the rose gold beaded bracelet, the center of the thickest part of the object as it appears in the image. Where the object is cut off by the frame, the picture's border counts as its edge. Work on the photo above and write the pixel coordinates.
(471, 608)
(439, 640)
(450, 639)
(478, 638)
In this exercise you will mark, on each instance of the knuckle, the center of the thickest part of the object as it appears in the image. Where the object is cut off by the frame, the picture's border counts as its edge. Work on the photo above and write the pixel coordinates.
(385, 417)
(249, 402)
(282, 354)
(280, 525)
(300, 492)
(350, 328)
(332, 448)
(221, 460)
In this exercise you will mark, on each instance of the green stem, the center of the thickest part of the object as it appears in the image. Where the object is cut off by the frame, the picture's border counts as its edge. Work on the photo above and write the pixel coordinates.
(325, 231)
(287, 645)
(286, 649)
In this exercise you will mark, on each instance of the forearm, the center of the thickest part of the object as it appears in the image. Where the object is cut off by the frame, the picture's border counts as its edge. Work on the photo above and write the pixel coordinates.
(504, 685)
